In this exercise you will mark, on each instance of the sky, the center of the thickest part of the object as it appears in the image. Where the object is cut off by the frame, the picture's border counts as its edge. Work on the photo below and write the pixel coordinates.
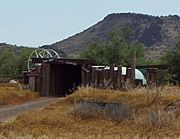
(40, 22)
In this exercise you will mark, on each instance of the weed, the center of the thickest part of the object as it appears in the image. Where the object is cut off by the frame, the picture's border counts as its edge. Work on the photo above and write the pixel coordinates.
(13, 94)
(114, 111)
(156, 119)
(103, 114)
(2, 102)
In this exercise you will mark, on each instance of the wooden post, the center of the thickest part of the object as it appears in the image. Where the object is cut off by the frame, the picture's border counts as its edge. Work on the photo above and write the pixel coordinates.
(112, 76)
(93, 78)
(32, 83)
(115, 78)
(101, 83)
(38, 80)
(83, 77)
(119, 74)
(128, 74)
(133, 67)
(106, 78)
(102, 79)
(152, 76)
(86, 75)
(127, 83)
(88, 78)
(96, 78)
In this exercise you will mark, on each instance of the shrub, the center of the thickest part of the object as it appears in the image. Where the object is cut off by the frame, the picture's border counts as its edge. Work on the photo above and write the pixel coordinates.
(156, 119)
(114, 111)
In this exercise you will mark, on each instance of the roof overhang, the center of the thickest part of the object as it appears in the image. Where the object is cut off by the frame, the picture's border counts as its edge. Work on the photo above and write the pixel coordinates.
(63, 61)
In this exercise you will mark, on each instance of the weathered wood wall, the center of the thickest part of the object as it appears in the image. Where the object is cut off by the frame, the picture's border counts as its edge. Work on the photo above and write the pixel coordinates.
(59, 79)
(45, 80)
(105, 78)
(113, 79)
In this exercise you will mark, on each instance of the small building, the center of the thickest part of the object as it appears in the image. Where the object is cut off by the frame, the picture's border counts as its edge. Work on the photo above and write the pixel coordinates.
(59, 77)
(56, 77)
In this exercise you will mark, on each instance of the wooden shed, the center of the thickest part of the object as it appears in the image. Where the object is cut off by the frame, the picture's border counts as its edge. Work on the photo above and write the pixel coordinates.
(58, 77)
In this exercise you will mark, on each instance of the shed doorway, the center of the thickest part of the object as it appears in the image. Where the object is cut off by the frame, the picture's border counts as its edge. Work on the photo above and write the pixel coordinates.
(64, 78)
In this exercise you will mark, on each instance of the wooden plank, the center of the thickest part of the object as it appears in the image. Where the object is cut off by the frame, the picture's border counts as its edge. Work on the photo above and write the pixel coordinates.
(127, 83)
(32, 83)
(93, 77)
(152, 76)
(88, 77)
(47, 81)
(99, 78)
(111, 76)
(42, 80)
(102, 84)
(133, 66)
(106, 79)
(37, 86)
(83, 78)
(119, 75)
(115, 83)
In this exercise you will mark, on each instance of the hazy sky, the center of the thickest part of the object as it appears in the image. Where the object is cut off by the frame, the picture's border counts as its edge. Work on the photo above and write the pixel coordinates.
(39, 22)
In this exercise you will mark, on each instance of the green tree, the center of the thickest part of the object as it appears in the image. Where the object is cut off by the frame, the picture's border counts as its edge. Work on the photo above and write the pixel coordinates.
(172, 57)
(8, 62)
(96, 52)
(22, 59)
(13, 61)
(116, 50)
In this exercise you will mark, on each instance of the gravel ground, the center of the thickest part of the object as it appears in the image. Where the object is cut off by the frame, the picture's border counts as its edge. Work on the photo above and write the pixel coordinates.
(12, 111)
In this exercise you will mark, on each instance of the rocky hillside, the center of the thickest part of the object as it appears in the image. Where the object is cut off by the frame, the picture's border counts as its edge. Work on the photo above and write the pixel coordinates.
(18, 49)
(157, 33)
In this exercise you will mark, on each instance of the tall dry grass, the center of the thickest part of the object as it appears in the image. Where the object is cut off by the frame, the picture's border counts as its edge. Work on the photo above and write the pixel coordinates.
(11, 94)
(103, 114)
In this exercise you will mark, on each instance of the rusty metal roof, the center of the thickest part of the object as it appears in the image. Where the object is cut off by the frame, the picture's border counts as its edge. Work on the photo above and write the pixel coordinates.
(62, 61)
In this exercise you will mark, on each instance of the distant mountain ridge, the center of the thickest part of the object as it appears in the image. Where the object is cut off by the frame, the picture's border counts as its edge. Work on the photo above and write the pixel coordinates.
(17, 49)
(158, 34)
(4, 46)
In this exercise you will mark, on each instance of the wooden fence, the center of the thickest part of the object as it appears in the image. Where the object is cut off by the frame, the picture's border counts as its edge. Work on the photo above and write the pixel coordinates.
(111, 78)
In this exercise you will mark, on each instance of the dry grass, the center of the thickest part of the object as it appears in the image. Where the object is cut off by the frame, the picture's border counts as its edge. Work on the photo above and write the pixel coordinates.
(70, 118)
(11, 94)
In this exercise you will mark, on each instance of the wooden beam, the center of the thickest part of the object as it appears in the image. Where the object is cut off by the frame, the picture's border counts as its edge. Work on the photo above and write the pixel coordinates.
(133, 66)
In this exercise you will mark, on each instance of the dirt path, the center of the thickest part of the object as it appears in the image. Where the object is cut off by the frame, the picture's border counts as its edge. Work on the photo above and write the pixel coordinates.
(11, 112)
